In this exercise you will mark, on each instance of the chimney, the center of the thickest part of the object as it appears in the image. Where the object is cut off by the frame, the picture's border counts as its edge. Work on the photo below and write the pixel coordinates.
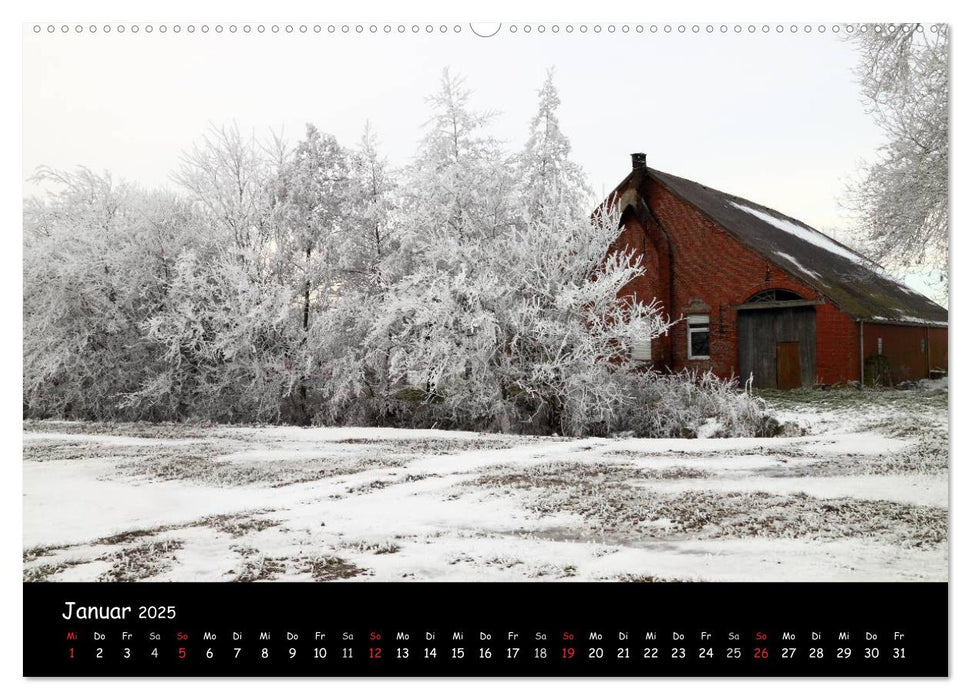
(638, 161)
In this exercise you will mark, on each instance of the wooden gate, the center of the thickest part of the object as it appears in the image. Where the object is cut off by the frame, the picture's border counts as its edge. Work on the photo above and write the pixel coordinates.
(788, 374)
(778, 346)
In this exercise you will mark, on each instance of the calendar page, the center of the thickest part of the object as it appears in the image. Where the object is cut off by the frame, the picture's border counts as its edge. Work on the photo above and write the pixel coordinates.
(425, 348)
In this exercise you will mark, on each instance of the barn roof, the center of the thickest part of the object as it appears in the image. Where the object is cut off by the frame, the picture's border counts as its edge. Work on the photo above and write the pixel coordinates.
(858, 286)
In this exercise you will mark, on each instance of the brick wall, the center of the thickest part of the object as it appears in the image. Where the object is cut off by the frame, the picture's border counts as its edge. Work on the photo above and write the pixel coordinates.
(937, 340)
(912, 350)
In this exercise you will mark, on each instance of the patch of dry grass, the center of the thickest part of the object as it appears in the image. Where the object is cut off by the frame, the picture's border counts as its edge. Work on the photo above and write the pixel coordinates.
(141, 561)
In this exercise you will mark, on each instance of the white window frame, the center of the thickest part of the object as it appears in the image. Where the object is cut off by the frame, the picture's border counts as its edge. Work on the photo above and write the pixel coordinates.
(641, 351)
(699, 319)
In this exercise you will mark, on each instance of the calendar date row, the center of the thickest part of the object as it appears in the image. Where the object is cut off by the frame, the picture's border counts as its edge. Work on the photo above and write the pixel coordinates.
(485, 653)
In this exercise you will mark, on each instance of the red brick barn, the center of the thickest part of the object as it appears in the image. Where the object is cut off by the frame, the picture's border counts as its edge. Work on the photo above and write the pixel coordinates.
(758, 293)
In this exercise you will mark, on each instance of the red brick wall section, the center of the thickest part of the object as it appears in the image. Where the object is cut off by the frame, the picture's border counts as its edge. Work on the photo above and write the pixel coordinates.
(712, 272)
(653, 285)
(937, 341)
(912, 350)
(837, 346)
(633, 238)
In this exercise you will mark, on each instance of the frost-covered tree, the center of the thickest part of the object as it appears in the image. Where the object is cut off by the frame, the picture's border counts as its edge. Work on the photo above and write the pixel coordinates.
(459, 188)
(531, 339)
(98, 257)
(227, 330)
(371, 210)
(511, 318)
(355, 377)
(547, 176)
(228, 176)
(568, 327)
(313, 196)
(901, 198)
(458, 197)
(225, 341)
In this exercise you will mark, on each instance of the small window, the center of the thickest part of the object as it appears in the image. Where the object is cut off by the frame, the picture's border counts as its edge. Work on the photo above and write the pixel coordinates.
(879, 346)
(641, 350)
(698, 333)
(773, 295)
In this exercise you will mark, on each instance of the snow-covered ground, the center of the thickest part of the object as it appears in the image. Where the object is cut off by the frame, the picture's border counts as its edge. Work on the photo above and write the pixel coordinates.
(862, 495)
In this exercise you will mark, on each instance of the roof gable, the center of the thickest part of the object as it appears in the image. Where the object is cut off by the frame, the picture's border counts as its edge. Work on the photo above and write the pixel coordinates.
(858, 286)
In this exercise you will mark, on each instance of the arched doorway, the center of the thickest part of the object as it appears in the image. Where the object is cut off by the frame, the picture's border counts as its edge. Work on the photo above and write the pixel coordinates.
(777, 339)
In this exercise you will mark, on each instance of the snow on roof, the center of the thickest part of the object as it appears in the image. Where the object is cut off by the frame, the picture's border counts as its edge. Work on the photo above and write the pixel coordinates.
(804, 232)
(797, 264)
(914, 320)
(820, 240)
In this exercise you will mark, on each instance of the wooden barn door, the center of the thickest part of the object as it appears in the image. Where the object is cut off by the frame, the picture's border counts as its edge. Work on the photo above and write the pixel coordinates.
(788, 366)
(756, 348)
(778, 346)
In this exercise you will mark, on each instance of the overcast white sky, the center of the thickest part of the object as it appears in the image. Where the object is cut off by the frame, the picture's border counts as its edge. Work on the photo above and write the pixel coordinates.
(774, 118)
